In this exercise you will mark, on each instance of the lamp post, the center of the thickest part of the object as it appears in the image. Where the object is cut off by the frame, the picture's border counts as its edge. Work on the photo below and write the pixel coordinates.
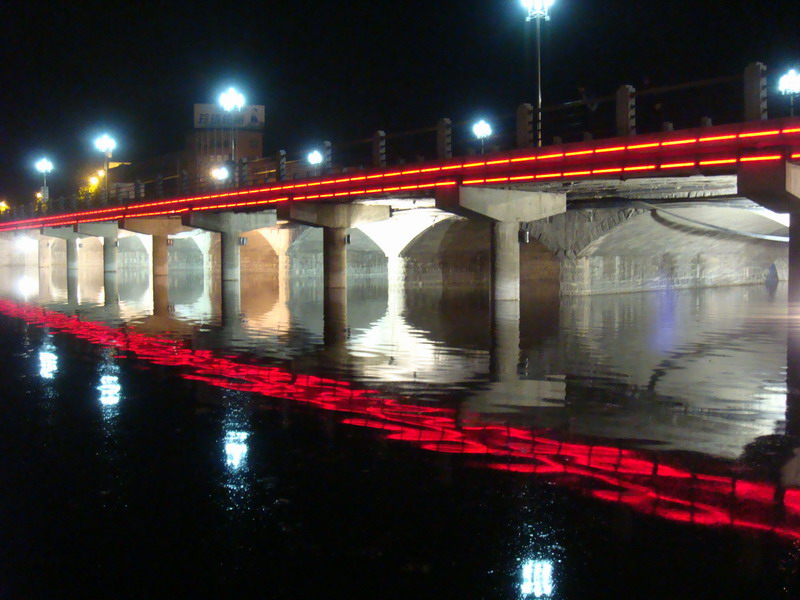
(105, 144)
(44, 166)
(482, 130)
(231, 101)
(538, 10)
(315, 159)
(789, 85)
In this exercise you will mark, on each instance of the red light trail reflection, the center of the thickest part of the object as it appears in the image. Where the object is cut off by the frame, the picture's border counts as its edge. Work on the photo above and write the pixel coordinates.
(650, 483)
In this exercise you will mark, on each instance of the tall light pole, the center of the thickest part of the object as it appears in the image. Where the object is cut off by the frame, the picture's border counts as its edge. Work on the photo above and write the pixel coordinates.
(789, 85)
(231, 101)
(105, 144)
(44, 166)
(482, 130)
(538, 10)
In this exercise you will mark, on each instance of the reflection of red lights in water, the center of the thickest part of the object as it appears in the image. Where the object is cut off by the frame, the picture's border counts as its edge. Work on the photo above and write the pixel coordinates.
(607, 473)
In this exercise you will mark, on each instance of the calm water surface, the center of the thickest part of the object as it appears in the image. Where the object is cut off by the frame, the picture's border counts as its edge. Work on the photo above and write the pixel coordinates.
(184, 441)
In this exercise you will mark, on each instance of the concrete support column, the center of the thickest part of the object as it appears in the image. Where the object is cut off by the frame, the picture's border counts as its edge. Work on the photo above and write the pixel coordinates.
(794, 260)
(505, 261)
(110, 288)
(72, 254)
(335, 316)
(160, 256)
(334, 257)
(110, 251)
(231, 303)
(160, 296)
(504, 357)
(793, 378)
(72, 287)
(229, 242)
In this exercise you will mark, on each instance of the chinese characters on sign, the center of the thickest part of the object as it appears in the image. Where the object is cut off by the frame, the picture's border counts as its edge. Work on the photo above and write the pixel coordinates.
(211, 116)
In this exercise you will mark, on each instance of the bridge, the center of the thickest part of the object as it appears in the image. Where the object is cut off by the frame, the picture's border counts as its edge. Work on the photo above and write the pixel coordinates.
(548, 215)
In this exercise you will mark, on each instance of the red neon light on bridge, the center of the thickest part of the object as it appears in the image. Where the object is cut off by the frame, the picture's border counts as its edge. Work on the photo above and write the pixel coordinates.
(649, 155)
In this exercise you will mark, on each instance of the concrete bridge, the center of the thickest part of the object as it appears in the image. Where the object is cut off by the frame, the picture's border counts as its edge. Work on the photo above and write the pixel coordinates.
(587, 217)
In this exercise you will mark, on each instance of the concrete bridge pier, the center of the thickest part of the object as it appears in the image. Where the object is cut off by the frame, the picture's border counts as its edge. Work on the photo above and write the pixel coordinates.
(160, 230)
(109, 232)
(504, 355)
(335, 219)
(71, 237)
(110, 288)
(777, 187)
(231, 305)
(504, 209)
(230, 226)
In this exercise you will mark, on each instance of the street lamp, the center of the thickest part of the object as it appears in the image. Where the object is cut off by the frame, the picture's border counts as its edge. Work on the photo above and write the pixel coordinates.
(105, 144)
(482, 130)
(790, 85)
(231, 100)
(220, 173)
(538, 10)
(44, 166)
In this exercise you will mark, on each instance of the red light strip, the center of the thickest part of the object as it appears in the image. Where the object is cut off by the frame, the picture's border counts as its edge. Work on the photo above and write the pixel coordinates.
(85, 216)
(638, 479)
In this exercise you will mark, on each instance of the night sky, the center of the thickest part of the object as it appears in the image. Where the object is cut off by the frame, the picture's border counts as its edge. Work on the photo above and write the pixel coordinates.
(336, 70)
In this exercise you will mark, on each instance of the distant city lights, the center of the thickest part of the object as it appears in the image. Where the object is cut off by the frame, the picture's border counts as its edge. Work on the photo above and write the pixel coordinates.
(537, 578)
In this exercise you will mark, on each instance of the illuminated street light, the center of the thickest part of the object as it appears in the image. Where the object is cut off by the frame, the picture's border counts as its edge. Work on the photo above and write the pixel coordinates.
(44, 166)
(3, 206)
(106, 145)
(482, 130)
(231, 101)
(538, 10)
(315, 158)
(220, 173)
(789, 85)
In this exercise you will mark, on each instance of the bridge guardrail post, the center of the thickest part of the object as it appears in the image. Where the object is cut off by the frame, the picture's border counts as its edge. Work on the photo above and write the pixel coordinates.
(379, 149)
(525, 125)
(280, 165)
(444, 139)
(327, 157)
(626, 110)
(755, 92)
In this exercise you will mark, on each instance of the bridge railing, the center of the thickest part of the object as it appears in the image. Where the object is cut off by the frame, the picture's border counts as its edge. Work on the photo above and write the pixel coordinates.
(628, 111)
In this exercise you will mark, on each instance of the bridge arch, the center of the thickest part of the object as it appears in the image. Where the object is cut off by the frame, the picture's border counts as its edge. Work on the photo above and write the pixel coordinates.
(641, 250)
(455, 253)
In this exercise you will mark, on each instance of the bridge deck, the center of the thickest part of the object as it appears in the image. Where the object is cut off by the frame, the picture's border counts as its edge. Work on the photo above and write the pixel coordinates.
(703, 151)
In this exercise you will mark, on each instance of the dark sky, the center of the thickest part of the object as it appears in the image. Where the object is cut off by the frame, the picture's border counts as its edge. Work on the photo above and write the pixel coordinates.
(335, 70)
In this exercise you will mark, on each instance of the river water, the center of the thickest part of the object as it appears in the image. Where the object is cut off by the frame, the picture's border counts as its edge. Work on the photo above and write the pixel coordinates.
(177, 441)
